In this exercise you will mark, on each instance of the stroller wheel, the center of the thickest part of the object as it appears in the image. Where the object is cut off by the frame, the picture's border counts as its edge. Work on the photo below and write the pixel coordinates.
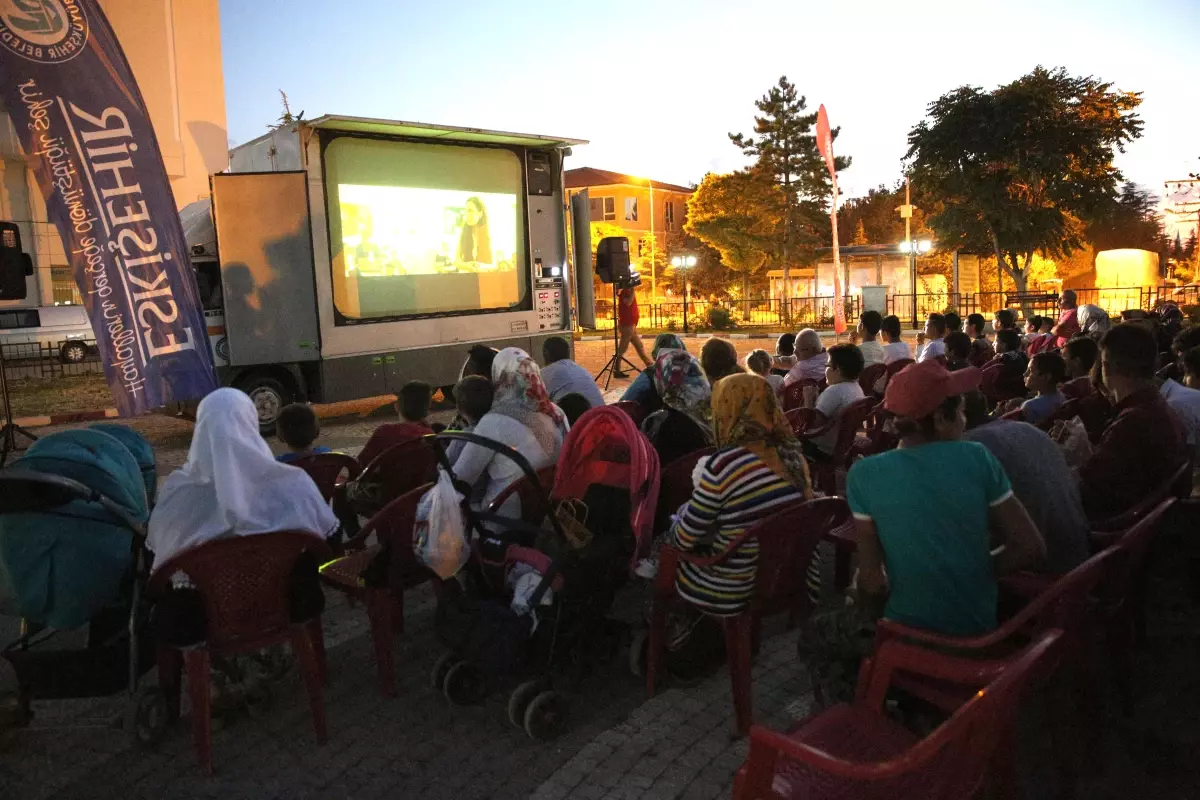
(521, 697)
(639, 648)
(464, 684)
(146, 717)
(438, 677)
(545, 716)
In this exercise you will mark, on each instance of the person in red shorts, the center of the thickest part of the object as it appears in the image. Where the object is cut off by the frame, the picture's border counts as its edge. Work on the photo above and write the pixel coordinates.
(627, 322)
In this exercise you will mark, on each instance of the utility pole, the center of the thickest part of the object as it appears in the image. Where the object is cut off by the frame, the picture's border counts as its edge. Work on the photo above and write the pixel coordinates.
(906, 211)
(653, 266)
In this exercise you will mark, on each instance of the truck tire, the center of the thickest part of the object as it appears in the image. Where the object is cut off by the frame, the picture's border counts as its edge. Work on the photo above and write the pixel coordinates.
(270, 395)
(73, 352)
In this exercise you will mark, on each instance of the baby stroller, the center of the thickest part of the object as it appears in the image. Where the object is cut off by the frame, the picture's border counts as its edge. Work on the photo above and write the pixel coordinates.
(605, 487)
(72, 524)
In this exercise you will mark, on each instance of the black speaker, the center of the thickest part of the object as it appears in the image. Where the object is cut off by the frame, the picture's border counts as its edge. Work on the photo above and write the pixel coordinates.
(612, 259)
(15, 265)
(540, 174)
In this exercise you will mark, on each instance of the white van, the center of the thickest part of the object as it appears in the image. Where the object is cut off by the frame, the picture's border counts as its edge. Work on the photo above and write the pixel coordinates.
(64, 328)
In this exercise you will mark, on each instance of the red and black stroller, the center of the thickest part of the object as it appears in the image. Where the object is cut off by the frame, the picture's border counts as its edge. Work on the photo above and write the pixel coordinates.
(602, 502)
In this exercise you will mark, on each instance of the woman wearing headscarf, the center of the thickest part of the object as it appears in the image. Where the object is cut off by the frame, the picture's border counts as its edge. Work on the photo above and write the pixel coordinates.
(758, 469)
(642, 389)
(522, 417)
(682, 425)
(231, 485)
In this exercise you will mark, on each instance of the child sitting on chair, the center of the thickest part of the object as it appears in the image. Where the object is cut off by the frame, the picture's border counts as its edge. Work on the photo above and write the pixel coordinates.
(298, 428)
(845, 365)
(759, 362)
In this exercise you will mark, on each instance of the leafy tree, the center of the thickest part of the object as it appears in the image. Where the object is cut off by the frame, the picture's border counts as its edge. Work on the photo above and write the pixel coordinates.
(1018, 168)
(603, 230)
(784, 147)
(739, 215)
(1132, 221)
(860, 234)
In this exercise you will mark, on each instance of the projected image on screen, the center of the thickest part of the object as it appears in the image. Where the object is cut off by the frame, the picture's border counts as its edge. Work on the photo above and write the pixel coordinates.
(396, 230)
(418, 229)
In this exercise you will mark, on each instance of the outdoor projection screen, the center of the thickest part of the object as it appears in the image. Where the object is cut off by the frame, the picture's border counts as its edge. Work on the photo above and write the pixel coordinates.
(421, 228)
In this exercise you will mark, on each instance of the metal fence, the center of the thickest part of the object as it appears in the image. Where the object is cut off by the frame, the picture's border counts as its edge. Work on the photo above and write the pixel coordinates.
(776, 314)
(44, 360)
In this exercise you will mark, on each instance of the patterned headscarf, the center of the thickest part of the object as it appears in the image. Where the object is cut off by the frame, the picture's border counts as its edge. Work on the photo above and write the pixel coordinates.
(746, 414)
(664, 342)
(521, 395)
(682, 386)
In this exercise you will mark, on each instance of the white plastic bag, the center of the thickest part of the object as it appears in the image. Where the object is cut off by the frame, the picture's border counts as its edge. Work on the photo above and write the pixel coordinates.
(440, 536)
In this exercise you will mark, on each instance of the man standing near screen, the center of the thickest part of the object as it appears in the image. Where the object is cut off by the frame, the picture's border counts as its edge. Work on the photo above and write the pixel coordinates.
(627, 322)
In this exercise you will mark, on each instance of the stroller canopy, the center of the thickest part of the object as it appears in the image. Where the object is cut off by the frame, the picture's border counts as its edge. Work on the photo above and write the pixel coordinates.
(140, 449)
(604, 446)
(61, 565)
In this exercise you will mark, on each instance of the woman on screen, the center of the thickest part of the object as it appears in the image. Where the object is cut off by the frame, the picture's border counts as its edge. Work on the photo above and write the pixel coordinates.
(474, 244)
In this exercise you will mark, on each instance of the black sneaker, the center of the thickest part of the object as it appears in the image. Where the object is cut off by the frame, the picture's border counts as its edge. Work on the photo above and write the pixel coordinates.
(619, 374)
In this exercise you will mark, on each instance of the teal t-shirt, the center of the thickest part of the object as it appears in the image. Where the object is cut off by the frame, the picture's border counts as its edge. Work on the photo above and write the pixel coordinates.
(930, 506)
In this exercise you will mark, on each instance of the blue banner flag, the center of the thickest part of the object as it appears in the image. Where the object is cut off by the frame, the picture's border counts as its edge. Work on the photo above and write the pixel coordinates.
(80, 117)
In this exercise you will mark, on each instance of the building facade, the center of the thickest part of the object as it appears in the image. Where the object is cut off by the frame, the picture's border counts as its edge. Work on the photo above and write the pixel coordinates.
(650, 213)
(174, 49)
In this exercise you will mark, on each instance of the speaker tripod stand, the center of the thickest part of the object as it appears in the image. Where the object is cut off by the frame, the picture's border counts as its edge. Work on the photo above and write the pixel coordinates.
(10, 431)
(614, 363)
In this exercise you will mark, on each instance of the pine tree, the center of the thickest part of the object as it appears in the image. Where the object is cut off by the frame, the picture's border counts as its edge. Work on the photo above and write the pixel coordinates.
(860, 234)
(784, 147)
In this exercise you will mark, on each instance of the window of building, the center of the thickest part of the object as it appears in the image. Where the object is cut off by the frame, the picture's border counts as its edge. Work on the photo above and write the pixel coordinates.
(669, 214)
(603, 209)
(631, 209)
(63, 286)
(20, 318)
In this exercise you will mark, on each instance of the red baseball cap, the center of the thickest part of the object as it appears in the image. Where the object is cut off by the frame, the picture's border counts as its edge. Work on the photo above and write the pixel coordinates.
(917, 390)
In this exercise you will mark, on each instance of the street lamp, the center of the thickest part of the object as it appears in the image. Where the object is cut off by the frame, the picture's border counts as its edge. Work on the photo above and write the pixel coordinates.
(684, 263)
(913, 249)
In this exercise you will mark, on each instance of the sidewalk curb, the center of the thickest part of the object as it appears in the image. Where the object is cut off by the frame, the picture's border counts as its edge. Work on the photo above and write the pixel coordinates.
(63, 419)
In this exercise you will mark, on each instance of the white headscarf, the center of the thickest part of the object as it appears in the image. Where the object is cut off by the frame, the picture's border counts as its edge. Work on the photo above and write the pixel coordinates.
(231, 485)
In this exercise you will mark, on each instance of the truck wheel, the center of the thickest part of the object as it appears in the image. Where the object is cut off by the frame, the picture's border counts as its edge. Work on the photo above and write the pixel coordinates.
(270, 395)
(73, 352)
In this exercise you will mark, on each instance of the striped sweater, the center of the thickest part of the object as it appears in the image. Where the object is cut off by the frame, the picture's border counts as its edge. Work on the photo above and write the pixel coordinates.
(736, 490)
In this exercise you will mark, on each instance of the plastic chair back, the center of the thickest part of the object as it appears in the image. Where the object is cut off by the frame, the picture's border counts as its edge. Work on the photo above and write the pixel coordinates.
(326, 468)
(793, 393)
(850, 422)
(1178, 484)
(393, 528)
(1128, 553)
(800, 419)
(534, 507)
(402, 467)
(786, 541)
(675, 485)
(870, 376)
(244, 583)
(636, 411)
(897, 365)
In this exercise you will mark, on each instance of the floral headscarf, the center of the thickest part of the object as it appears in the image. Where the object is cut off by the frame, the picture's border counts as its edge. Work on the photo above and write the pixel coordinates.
(746, 414)
(682, 386)
(521, 395)
(664, 342)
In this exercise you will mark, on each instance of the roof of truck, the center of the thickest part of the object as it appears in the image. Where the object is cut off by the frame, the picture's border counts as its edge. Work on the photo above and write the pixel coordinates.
(424, 130)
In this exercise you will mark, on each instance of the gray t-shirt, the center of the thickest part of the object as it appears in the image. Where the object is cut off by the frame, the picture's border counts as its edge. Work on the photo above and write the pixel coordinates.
(564, 377)
(1044, 484)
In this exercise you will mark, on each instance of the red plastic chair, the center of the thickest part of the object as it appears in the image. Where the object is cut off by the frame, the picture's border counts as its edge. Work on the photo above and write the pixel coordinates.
(800, 419)
(636, 411)
(786, 542)
(244, 584)
(793, 393)
(384, 596)
(895, 366)
(1106, 532)
(1122, 597)
(1063, 606)
(326, 468)
(401, 468)
(870, 376)
(675, 486)
(848, 425)
(856, 751)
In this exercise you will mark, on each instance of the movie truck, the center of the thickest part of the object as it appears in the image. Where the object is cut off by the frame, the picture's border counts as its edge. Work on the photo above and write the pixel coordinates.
(341, 257)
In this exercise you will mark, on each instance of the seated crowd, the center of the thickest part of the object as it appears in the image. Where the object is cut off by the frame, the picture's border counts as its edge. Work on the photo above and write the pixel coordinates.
(978, 487)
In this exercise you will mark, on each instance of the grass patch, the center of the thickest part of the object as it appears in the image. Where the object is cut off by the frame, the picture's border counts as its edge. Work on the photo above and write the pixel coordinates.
(33, 397)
